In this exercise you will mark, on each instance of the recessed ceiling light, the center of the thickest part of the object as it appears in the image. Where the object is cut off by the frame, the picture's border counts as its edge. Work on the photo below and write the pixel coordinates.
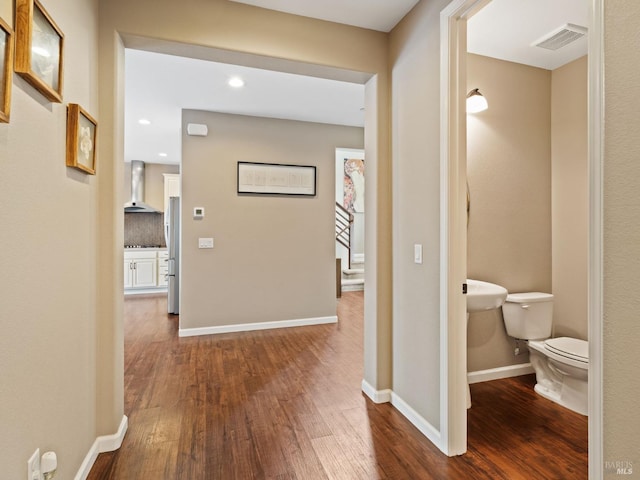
(236, 82)
(144, 121)
(162, 154)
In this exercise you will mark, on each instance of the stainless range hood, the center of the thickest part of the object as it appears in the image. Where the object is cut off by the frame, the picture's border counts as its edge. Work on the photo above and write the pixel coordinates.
(137, 205)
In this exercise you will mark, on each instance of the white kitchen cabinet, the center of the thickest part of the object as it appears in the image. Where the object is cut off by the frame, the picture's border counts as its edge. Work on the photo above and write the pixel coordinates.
(141, 269)
(145, 272)
(128, 273)
(163, 268)
(171, 187)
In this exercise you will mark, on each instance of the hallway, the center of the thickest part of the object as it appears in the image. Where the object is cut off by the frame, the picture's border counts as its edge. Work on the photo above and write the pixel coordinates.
(287, 404)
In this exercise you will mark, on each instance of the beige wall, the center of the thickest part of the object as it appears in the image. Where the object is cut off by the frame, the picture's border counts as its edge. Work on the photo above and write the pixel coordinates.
(48, 283)
(569, 198)
(154, 182)
(621, 328)
(48, 207)
(509, 175)
(377, 294)
(274, 256)
(415, 57)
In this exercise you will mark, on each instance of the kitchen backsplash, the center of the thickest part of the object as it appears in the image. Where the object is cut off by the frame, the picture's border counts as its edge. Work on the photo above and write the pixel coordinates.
(144, 229)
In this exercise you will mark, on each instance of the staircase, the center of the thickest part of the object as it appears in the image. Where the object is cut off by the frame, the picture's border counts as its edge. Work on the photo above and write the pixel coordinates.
(352, 277)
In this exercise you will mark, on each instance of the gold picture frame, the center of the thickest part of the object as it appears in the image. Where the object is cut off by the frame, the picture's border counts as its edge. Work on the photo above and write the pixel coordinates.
(39, 49)
(6, 70)
(82, 136)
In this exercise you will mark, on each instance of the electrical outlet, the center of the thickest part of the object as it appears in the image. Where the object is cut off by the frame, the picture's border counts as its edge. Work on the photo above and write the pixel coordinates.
(33, 466)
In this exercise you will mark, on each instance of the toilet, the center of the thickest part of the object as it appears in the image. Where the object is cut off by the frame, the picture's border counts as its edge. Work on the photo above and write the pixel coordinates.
(561, 364)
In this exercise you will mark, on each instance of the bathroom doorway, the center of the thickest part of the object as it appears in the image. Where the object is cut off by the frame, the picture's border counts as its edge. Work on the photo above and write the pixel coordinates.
(454, 158)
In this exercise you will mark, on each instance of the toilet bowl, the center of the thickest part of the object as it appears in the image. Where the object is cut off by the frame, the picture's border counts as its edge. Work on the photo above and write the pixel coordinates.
(561, 364)
(561, 373)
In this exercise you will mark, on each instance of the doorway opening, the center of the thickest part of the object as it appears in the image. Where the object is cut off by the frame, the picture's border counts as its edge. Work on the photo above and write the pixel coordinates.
(454, 145)
(369, 81)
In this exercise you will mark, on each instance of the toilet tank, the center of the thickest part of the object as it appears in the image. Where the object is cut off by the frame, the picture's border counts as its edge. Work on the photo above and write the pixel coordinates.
(528, 315)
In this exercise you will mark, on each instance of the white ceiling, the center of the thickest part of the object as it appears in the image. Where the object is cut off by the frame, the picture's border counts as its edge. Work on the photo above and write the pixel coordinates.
(506, 29)
(159, 86)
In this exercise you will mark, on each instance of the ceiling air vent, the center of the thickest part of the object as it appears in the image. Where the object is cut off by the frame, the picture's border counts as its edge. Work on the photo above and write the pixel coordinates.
(560, 37)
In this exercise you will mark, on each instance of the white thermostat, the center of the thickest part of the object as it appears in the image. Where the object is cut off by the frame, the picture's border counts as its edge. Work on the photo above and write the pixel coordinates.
(198, 213)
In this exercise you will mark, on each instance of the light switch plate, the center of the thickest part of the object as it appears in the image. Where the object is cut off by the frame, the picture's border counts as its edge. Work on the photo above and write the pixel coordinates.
(205, 243)
(417, 253)
(33, 466)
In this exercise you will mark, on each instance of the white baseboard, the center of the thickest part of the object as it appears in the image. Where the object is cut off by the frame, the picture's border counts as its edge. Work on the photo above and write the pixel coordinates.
(376, 396)
(144, 291)
(105, 443)
(357, 287)
(418, 421)
(248, 327)
(500, 372)
(388, 396)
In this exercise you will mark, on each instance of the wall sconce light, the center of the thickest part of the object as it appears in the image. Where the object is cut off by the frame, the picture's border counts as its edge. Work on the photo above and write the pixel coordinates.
(476, 102)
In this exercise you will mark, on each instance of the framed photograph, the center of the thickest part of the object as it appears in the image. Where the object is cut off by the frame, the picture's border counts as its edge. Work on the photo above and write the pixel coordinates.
(39, 46)
(6, 70)
(82, 134)
(276, 179)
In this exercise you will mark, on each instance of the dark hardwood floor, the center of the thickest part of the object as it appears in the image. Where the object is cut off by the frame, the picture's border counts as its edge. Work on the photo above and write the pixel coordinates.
(286, 404)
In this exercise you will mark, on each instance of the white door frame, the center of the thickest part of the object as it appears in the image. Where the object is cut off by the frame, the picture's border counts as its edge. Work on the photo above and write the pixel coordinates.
(453, 238)
(453, 233)
(595, 275)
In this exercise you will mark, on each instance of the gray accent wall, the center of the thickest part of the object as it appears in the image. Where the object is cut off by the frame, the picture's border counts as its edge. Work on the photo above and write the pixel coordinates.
(274, 256)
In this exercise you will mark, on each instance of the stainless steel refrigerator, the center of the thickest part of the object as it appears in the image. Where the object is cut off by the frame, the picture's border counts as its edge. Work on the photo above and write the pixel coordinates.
(172, 234)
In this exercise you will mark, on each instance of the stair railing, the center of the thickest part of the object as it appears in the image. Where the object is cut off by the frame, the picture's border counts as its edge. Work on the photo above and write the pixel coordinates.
(344, 220)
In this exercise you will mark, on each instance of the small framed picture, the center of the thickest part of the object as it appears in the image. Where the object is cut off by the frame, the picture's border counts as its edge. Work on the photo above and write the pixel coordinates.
(39, 46)
(82, 134)
(6, 70)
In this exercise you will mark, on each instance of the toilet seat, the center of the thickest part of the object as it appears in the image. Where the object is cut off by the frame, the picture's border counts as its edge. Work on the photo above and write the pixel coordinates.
(575, 357)
(571, 348)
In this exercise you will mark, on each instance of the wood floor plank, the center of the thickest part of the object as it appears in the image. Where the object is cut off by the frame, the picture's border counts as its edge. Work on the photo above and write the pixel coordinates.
(286, 404)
